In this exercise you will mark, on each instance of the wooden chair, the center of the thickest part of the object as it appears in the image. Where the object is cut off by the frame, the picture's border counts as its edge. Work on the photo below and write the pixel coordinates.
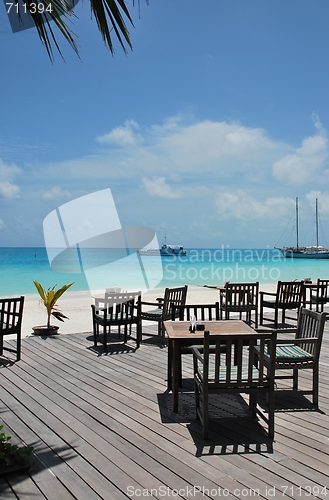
(11, 315)
(234, 371)
(319, 295)
(288, 296)
(163, 306)
(239, 298)
(201, 312)
(117, 309)
(303, 352)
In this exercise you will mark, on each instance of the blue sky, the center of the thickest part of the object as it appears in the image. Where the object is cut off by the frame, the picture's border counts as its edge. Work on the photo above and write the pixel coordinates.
(206, 131)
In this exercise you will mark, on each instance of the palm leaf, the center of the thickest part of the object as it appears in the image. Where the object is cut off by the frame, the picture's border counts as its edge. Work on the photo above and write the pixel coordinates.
(60, 291)
(59, 315)
(110, 15)
(40, 289)
(60, 10)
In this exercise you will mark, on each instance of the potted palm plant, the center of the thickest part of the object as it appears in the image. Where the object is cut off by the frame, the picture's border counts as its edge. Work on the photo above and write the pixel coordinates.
(49, 299)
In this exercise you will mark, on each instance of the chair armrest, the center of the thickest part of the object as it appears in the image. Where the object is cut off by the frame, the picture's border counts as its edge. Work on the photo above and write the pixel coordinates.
(309, 340)
(273, 294)
(155, 304)
(287, 330)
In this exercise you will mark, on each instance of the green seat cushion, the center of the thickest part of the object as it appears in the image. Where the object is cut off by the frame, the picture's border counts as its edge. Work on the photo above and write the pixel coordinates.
(292, 352)
(233, 375)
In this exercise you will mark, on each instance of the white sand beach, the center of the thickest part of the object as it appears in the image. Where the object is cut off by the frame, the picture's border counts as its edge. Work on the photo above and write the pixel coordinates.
(77, 307)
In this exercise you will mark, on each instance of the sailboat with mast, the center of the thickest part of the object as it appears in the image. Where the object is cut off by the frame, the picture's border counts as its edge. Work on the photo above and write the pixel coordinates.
(311, 252)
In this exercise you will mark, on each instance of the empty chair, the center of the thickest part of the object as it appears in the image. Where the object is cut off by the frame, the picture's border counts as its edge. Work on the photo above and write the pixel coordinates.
(234, 371)
(201, 313)
(319, 295)
(11, 315)
(239, 298)
(302, 352)
(117, 309)
(288, 296)
(162, 308)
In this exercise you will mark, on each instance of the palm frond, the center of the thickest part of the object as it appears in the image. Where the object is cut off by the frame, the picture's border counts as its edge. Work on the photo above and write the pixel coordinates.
(59, 315)
(110, 15)
(60, 11)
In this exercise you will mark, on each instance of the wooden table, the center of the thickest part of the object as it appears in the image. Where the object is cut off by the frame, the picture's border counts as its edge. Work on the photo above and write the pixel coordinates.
(180, 336)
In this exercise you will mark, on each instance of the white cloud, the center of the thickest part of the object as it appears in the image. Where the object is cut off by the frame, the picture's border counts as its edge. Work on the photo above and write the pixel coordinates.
(323, 201)
(307, 162)
(8, 190)
(240, 205)
(219, 147)
(56, 193)
(158, 187)
(7, 173)
(121, 136)
(2, 224)
(177, 147)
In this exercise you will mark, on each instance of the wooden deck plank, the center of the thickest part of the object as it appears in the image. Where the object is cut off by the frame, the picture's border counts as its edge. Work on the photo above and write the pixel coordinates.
(100, 423)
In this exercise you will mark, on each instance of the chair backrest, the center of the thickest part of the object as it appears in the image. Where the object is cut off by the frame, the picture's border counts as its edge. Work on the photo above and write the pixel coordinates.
(201, 312)
(173, 297)
(11, 314)
(116, 303)
(289, 293)
(322, 293)
(310, 326)
(241, 296)
(233, 367)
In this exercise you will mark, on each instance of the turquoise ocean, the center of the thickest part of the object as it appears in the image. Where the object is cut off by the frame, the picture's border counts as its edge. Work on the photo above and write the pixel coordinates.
(19, 267)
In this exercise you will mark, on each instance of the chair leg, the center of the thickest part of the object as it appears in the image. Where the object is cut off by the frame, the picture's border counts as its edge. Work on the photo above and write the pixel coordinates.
(96, 332)
(1, 345)
(261, 312)
(295, 379)
(253, 403)
(162, 332)
(271, 413)
(104, 339)
(316, 385)
(18, 354)
(205, 415)
(197, 400)
(138, 333)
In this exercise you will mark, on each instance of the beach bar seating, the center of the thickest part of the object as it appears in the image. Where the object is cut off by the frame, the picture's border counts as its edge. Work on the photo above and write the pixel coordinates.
(288, 296)
(319, 295)
(233, 371)
(122, 309)
(302, 352)
(239, 298)
(161, 310)
(11, 315)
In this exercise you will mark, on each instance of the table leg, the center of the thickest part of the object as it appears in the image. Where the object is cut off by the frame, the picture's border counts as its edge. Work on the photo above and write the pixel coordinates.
(176, 371)
(169, 369)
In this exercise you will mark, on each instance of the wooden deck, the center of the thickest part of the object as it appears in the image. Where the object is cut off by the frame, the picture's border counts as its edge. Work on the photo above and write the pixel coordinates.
(102, 428)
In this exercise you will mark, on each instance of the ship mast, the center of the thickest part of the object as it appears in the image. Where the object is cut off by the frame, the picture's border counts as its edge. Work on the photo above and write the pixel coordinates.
(297, 222)
(316, 223)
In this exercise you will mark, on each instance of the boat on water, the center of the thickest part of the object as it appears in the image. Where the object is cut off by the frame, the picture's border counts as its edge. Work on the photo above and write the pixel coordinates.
(164, 250)
(307, 252)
